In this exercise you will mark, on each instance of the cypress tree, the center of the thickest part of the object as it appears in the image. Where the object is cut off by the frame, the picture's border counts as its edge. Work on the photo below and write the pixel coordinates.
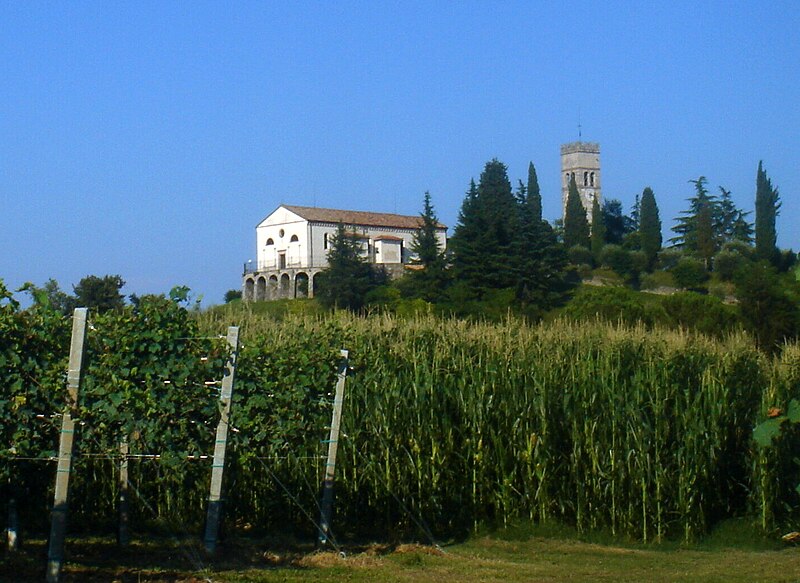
(649, 226)
(598, 229)
(576, 226)
(767, 207)
(534, 198)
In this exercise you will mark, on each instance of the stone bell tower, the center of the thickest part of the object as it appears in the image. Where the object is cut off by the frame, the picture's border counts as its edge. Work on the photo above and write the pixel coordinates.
(581, 160)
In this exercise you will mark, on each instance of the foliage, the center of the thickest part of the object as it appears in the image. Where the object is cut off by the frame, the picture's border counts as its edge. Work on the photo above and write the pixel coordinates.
(657, 279)
(767, 207)
(483, 240)
(767, 308)
(613, 304)
(232, 295)
(100, 294)
(649, 227)
(348, 278)
(690, 273)
(617, 224)
(429, 281)
(580, 255)
(628, 264)
(598, 229)
(576, 225)
(540, 258)
(701, 313)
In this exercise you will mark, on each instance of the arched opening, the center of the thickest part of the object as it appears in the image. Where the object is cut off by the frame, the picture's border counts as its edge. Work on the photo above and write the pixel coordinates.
(591, 178)
(301, 285)
(586, 179)
(312, 287)
(261, 289)
(294, 239)
(270, 242)
(249, 289)
(285, 287)
(273, 287)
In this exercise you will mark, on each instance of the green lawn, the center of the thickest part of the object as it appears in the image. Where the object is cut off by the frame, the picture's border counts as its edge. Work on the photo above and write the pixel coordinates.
(485, 558)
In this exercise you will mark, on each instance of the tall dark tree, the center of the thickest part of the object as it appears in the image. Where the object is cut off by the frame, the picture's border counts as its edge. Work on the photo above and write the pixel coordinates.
(483, 240)
(686, 229)
(428, 281)
(767, 309)
(767, 206)
(598, 236)
(534, 196)
(732, 223)
(576, 225)
(649, 226)
(539, 258)
(100, 294)
(348, 278)
(617, 224)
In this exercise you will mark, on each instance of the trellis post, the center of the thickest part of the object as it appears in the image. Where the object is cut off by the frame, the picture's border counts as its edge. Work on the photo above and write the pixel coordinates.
(55, 554)
(326, 507)
(123, 534)
(218, 465)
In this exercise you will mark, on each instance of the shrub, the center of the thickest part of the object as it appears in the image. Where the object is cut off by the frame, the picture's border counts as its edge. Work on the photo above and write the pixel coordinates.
(668, 258)
(658, 279)
(703, 313)
(613, 304)
(690, 273)
(579, 255)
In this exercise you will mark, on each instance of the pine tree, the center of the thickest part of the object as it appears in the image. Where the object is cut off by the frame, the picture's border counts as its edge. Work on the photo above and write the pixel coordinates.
(649, 226)
(767, 207)
(482, 242)
(576, 226)
(539, 258)
(348, 278)
(686, 227)
(617, 224)
(732, 224)
(429, 280)
(598, 235)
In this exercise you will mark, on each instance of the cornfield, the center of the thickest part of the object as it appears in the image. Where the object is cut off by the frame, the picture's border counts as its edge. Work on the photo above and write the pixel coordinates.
(448, 425)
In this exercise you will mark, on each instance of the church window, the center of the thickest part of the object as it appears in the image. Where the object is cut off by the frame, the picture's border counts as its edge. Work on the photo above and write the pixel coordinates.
(294, 239)
(270, 241)
(591, 178)
(325, 241)
(586, 179)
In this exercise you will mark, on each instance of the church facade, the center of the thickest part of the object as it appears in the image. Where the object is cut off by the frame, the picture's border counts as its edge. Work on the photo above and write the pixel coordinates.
(292, 246)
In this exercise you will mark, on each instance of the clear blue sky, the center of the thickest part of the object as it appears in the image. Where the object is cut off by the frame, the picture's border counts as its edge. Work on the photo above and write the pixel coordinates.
(147, 139)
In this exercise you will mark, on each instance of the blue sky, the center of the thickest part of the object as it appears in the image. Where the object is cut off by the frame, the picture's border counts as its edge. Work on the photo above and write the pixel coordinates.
(148, 139)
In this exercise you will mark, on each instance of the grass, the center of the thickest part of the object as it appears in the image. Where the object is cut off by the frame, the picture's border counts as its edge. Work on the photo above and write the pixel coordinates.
(520, 553)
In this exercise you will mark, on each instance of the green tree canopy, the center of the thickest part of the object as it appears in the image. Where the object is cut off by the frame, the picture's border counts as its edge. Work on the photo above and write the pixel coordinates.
(598, 236)
(576, 225)
(483, 240)
(649, 226)
(429, 279)
(348, 278)
(767, 206)
(100, 294)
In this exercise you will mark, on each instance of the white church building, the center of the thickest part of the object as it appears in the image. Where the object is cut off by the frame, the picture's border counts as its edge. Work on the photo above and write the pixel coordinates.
(292, 247)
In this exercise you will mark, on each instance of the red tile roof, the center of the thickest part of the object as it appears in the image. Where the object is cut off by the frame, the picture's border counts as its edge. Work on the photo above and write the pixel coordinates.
(362, 218)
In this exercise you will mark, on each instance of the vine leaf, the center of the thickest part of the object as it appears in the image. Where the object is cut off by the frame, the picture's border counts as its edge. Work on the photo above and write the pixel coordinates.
(794, 411)
(764, 432)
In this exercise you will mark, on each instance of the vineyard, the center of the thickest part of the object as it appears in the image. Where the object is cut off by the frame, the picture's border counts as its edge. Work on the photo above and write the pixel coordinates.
(447, 425)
